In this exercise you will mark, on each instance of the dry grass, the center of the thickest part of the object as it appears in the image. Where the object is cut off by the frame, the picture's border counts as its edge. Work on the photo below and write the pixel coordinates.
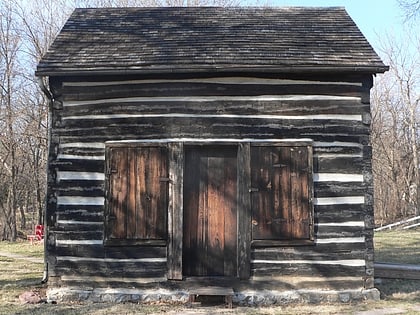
(398, 246)
(19, 275)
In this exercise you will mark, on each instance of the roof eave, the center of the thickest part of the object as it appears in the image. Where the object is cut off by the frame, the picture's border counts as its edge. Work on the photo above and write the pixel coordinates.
(295, 69)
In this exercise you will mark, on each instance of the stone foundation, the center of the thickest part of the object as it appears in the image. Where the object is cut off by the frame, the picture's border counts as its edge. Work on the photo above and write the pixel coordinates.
(246, 297)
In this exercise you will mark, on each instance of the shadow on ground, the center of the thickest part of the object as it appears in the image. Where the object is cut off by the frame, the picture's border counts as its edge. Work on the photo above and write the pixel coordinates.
(399, 289)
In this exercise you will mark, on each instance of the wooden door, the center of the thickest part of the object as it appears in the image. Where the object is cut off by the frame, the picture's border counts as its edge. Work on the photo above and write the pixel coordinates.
(280, 177)
(210, 211)
(137, 195)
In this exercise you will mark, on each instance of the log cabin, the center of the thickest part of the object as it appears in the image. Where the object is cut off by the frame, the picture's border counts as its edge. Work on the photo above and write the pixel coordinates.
(210, 147)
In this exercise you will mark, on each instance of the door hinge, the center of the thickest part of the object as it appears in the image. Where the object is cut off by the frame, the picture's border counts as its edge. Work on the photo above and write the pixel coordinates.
(278, 165)
(112, 171)
(111, 217)
(165, 179)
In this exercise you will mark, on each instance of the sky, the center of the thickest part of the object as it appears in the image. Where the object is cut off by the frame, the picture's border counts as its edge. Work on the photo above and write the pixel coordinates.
(373, 17)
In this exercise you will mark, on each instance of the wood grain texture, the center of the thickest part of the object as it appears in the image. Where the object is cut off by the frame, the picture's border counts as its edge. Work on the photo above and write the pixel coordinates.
(91, 120)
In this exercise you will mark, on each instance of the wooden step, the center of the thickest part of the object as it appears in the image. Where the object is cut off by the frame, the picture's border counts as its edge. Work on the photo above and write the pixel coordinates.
(211, 291)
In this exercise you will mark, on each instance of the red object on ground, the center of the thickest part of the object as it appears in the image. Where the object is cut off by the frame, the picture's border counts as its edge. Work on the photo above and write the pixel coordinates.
(39, 234)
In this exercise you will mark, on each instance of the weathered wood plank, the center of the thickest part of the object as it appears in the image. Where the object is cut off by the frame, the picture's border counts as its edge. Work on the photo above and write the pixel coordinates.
(175, 211)
(337, 189)
(326, 123)
(244, 211)
(339, 164)
(111, 269)
(81, 215)
(397, 271)
(208, 89)
(240, 107)
(319, 248)
(339, 213)
(77, 234)
(338, 148)
(213, 128)
(313, 269)
(115, 252)
(308, 256)
(80, 189)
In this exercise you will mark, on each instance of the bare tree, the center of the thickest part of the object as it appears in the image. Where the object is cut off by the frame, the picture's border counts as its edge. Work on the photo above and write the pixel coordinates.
(9, 47)
(411, 8)
(395, 131)
(27, 29)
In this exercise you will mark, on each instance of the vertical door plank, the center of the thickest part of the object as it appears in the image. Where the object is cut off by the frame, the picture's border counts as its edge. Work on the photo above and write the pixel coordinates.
(118, 191)
(175, 211)
(262, 195)
(152, 163)
(202, 220)
(162, 193)
(152, 191)
(244, 215)
(231, 215)
(142, 193)
(138, 172)
(286, 212)
(300, 193)
(191, 211)
(131, 213)
(216, 208)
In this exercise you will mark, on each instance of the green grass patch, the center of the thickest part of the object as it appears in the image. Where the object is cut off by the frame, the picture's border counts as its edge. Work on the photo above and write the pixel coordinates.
(398, 246)
(23, 248)
(403, 247)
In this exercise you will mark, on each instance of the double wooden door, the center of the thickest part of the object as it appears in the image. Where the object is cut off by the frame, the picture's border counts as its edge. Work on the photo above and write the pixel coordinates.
(210, 211)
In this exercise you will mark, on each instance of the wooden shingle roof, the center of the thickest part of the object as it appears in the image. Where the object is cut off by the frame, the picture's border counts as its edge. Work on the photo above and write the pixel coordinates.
(161, 40)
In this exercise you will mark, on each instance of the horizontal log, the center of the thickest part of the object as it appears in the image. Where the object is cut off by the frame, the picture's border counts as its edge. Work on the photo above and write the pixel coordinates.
(258, 282)
(309, 255)
(298, 121)
(82, 190)
(83, 164)
(221, 106)
(207, 89)
(139, 269)
(338, 231)
(323, 141)
(87, 208)
(100, 251)
(92, 232)
(313, 269)
(397, 271)
(111, 282)
(196, 128)
(84, 150)
(337, 189)
(340, 213)
(80, 215)
(230, 78)
(350, 165)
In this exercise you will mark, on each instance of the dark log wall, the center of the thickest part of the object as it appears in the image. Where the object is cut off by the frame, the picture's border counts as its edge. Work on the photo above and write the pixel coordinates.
(332, 111)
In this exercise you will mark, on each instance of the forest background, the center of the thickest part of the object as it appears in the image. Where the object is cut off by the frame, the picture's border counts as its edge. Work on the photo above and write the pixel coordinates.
(28, 27)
